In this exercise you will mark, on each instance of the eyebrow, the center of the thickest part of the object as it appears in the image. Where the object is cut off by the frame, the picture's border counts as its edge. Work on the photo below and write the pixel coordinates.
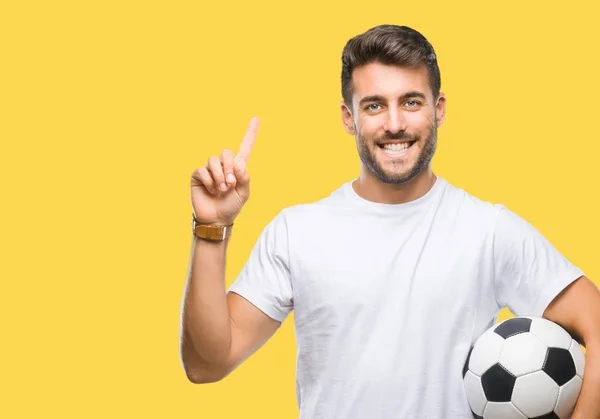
(378, 98)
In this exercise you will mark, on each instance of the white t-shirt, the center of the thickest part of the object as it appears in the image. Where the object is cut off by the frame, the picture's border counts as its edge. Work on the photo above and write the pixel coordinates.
(388, 298)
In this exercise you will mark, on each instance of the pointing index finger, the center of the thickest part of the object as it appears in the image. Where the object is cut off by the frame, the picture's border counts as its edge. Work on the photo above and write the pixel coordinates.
(248, 140)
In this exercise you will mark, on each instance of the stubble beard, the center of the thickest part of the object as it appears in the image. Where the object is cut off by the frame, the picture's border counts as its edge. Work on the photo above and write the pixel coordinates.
(400, 173)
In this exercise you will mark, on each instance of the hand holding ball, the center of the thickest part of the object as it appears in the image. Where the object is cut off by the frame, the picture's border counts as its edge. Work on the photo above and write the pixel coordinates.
(524, 367)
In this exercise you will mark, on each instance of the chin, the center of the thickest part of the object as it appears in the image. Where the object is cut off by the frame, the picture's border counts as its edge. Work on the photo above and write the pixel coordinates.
(395, 178)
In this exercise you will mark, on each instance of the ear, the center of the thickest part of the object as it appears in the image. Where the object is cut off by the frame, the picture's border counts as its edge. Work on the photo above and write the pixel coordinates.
(440, 109)
(347, 119)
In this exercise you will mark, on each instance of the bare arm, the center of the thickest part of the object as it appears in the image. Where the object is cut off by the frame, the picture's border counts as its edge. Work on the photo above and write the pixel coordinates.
(219, 330)
(577, 309)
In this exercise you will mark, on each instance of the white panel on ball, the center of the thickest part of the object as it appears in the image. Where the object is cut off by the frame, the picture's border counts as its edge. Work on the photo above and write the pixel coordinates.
(523, 354)
(505, 410)
(550, 333)
(486, 352)
(535, 394)
(475, 393)
(567, 397)
(578, 357)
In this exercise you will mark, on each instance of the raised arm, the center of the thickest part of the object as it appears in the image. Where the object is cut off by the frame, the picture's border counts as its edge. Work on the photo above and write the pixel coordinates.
(218, 330)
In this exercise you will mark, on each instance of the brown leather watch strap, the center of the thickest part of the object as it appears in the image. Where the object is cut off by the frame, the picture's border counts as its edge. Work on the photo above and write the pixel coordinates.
(211, 232)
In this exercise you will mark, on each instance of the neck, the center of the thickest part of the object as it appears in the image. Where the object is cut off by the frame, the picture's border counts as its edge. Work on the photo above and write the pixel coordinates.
(372, 189)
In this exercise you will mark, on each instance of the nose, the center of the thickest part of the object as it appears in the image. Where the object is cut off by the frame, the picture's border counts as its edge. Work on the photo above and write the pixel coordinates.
(395, 121)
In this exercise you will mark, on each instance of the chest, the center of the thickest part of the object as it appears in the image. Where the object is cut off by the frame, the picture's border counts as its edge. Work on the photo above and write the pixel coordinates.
(422, 271)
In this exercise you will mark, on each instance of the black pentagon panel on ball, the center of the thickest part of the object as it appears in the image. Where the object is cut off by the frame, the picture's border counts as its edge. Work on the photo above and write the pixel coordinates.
(466, 366)
(498, 384)
(559, 365)
(513, 327)
(550, 415)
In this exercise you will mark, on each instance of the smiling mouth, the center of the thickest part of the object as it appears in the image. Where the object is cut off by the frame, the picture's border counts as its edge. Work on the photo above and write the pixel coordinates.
(396, 147)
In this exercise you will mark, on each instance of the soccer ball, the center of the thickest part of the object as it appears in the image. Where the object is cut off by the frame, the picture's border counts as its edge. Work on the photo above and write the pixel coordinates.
(524, 367)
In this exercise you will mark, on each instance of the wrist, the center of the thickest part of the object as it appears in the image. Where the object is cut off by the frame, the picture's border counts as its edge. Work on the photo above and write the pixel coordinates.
(217, 231)
(211, 223)
(199, 241)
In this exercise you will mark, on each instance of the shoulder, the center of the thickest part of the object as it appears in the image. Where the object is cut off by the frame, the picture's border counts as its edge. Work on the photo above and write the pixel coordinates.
(324, 206)
(504, 224)
(300, 218)
(465, 205)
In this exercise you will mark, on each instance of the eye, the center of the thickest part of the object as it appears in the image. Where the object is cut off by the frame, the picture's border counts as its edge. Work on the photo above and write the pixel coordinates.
(413, 103)
(371, 107)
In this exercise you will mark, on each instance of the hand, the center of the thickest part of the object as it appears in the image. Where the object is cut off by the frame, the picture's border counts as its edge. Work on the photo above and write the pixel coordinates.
(212, 204)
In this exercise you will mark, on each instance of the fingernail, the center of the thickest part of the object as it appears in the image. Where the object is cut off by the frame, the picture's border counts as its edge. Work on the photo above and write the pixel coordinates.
(223, 187)
(230, 178)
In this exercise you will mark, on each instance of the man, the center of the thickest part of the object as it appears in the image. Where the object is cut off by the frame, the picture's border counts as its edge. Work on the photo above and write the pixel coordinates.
(392, 277)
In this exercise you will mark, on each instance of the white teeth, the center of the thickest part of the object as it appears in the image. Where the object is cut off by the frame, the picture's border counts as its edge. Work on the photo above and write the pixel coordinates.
(395, 147)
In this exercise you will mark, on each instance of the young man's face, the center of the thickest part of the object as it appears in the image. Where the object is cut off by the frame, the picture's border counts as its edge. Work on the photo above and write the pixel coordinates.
(395, 120)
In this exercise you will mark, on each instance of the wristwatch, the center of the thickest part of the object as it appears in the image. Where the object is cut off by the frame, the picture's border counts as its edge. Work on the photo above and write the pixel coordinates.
(210, 232)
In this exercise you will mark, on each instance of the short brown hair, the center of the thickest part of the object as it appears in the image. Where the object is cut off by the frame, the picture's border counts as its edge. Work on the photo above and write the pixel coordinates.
(389, 45)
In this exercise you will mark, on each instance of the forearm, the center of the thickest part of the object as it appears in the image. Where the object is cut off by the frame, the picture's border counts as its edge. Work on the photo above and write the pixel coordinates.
(588, 404)
(206, 330)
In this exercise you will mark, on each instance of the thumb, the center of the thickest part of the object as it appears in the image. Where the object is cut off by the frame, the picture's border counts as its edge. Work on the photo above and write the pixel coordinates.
(241, 176)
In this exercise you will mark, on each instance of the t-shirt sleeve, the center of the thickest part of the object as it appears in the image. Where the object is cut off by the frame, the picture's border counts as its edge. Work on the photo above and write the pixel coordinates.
(529, 271)
(265, 279)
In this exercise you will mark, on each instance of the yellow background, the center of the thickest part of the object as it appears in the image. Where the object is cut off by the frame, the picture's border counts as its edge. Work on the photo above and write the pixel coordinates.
(106, 108)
